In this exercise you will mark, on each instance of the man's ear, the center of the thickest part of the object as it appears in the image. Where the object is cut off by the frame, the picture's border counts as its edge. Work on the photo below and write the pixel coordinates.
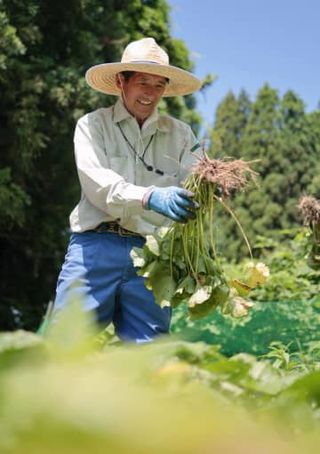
(119, 80)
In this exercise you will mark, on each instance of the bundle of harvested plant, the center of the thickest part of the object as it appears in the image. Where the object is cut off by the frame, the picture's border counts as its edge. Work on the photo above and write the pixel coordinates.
(310, 209)
(181, 264)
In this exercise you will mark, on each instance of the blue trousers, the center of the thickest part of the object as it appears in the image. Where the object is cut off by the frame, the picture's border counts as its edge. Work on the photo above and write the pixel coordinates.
(98, 267)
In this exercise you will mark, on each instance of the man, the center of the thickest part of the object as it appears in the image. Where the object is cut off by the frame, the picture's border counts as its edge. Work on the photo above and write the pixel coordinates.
(131, 162)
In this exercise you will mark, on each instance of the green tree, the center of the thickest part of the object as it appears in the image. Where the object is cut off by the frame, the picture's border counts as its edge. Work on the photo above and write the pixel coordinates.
(284, 141)
(313, 119)
(230, 120)
(261, 141)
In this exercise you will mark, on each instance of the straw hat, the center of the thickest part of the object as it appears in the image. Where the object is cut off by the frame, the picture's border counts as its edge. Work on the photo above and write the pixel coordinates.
(144, 56)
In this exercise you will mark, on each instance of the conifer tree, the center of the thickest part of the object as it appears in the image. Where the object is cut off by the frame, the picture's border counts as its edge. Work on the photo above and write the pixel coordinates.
(285, 141)
(231, 117)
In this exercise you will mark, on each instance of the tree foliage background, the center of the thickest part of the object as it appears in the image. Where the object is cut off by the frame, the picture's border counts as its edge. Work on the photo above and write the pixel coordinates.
(284, 140)
(45, 49)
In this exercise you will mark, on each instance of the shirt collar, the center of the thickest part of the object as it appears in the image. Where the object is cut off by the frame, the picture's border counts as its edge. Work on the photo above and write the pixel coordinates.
(151, 124)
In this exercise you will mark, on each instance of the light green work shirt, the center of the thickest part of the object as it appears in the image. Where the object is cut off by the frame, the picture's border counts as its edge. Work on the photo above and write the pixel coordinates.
(113, 179)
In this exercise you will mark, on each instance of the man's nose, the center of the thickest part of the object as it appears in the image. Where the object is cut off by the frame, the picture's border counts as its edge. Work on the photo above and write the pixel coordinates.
(150, 91)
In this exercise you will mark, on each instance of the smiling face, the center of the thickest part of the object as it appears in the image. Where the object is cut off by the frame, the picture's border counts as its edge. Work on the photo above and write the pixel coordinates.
(141, 93)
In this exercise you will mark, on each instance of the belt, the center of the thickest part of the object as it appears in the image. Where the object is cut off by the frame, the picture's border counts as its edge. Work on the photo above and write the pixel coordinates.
(114, 227)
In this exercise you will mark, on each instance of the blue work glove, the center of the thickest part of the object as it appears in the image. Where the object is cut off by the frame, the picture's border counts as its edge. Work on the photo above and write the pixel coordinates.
(173, 202)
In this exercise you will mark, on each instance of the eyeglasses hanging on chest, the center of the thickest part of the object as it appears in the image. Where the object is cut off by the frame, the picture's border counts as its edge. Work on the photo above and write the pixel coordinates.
(148, 167)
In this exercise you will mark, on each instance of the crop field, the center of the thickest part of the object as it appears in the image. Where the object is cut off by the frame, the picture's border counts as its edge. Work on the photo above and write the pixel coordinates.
(213, 385)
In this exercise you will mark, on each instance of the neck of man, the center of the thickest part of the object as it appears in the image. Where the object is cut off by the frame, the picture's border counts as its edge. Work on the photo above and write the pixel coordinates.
(139, 120)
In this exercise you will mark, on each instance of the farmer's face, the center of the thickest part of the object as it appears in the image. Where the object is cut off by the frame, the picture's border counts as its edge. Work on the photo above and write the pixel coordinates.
(141, 93)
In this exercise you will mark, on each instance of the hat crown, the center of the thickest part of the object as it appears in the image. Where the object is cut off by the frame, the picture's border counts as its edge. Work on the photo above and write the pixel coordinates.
(145, 50)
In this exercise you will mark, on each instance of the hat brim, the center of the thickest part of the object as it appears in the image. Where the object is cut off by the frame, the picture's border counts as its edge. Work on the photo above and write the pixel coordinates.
(103, 77)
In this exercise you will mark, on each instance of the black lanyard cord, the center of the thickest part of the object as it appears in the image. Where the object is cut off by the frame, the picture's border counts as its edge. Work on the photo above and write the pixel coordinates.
(147, 166)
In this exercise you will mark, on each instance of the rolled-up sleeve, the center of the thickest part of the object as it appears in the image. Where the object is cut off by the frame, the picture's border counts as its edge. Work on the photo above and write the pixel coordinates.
(105, 189)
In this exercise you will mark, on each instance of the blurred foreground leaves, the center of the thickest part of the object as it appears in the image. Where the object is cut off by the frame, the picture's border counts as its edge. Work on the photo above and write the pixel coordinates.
(166, 396)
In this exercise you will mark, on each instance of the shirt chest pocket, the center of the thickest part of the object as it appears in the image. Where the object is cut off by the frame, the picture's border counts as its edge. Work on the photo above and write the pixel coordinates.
(138, 174)
(155, 179)
(120, 165)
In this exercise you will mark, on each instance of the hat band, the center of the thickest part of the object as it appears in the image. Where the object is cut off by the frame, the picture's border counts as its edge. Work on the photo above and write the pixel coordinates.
(143, 62)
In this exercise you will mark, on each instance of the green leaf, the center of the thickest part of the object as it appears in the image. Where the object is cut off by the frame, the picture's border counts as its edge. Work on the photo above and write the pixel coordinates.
(162, 284)
(179, 298)
(201, 310)
(148, 269)
(182, 293)
(20, 347)
(72, 330)
(201, 266)
(242, 288)
(187, 285)
(153, 245)
(220, 294)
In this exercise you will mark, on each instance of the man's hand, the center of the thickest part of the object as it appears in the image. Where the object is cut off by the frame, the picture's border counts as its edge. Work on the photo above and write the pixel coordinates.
(173, 202)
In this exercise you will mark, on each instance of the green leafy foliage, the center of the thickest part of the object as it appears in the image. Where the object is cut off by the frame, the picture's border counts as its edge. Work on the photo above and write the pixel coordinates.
(286, 307)
(181, 265)
(166, 396)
